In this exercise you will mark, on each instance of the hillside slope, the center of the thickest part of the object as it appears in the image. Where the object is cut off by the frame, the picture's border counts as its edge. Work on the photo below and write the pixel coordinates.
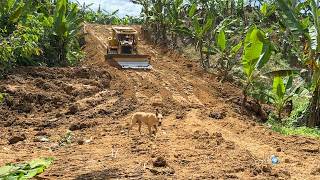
(202, 137)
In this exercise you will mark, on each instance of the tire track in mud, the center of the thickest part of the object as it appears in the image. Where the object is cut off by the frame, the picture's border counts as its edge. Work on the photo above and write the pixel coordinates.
(167, 81)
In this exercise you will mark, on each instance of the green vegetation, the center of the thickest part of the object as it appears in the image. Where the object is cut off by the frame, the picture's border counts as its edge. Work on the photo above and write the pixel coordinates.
(226, 60)
(1, 97)
(257, 51)
(35, 33)
(282, 93)
(25, 171)
(66, 139)
(278, 40)
(290, 130)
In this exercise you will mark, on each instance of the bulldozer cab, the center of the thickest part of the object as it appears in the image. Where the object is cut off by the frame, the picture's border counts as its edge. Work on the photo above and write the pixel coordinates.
(127, 44)
(122, 49)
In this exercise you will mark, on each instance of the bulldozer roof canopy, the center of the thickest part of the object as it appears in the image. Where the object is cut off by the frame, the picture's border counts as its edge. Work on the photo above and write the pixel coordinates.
(124, 30)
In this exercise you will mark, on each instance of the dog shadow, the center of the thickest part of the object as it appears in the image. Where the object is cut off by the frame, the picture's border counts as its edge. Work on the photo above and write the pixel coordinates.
(111, 173)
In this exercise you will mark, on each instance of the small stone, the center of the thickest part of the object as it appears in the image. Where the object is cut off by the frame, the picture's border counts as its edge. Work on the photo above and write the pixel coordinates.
(73, 109)
(179, 116)
(315, 171)
(80, 142)
(58, 115)
(160, 162)
(16, 139)
(278, 149)
(41, 133)
(41, 139)
(217, 115)
(266, 169)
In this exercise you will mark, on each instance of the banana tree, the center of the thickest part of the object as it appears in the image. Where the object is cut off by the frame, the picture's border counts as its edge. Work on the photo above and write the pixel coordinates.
(157, 19)
(10, 12)
(241, 12)
(227, 54)
(257, 52)
(65, 29)
(199, 31)
(145, 12)
(175, 19)
(267, 13)
(309, 28)
(283, 91)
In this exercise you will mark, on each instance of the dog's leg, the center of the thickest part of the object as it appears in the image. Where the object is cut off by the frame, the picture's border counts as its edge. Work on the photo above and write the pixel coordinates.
(133, 122)
(150, 130)
(130, 127)
(139, 127)
(155, 129)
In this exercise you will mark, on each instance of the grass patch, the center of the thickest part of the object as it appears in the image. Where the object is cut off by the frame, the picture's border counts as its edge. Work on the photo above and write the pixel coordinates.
(302, 131)
(1, 97)
(288, 129)
(288, 126)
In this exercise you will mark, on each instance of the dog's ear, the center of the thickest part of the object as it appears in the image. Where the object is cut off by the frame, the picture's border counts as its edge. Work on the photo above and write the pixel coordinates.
(157, 112)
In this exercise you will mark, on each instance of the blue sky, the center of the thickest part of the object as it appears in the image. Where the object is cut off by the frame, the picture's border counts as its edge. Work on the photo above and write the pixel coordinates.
(125, 7)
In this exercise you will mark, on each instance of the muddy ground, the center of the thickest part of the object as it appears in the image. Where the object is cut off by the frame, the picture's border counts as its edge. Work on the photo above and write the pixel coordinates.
(203, 136)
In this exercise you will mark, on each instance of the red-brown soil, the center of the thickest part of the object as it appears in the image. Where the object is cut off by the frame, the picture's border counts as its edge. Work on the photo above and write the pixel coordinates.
(203, 136)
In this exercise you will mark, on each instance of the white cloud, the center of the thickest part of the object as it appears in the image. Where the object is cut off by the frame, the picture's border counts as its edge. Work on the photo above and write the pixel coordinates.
(125, 6)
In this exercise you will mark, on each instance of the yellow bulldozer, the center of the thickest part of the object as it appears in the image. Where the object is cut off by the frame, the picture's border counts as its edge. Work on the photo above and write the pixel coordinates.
(122, 50)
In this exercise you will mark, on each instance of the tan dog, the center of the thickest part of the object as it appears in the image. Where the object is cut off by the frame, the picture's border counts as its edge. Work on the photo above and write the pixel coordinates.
(150, 119)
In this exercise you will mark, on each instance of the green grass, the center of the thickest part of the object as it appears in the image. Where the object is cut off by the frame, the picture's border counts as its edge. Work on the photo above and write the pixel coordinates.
(302, 131)
(1, 97)
(300, 103)
(288, 129)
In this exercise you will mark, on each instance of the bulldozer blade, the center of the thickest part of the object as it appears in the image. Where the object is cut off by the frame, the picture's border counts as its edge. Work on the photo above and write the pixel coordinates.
(129, 61)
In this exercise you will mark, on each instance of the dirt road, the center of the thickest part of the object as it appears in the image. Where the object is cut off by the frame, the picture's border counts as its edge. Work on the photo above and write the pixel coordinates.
(202, 137)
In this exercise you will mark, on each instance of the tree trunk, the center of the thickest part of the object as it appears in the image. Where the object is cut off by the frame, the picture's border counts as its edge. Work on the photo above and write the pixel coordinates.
(245, 96)
(158, 34)
(201, 54)
(63, 54)
(279, 115)
(164, 32)
(314, 109)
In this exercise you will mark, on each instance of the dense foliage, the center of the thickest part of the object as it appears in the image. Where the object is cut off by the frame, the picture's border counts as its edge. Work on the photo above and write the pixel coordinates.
(39, 32)
(278, 39)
